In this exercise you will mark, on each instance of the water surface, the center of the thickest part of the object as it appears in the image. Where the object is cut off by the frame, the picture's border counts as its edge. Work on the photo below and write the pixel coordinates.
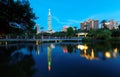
(60, 60)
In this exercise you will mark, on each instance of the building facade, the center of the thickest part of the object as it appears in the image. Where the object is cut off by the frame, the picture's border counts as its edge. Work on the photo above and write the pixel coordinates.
(89, 24)
(65, 28)
(37, 28)
(111, 24)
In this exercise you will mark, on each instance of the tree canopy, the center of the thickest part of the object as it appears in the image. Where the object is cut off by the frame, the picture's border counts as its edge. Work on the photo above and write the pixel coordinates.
(103, 24)
(70, 32)
(102, 34)
(16, 16)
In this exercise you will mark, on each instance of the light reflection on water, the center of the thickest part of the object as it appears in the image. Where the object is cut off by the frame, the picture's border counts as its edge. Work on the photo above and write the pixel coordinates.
(61, 60)
(90, 53)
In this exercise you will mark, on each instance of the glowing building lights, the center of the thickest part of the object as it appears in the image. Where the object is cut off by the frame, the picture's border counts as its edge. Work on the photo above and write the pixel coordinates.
(107, 54)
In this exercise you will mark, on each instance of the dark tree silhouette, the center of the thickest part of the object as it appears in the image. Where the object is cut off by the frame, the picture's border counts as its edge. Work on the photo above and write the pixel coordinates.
(119, 27)
(16, 16)
(70, 32)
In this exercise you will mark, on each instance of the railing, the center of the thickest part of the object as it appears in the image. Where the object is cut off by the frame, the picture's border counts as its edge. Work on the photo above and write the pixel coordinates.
(39, 38)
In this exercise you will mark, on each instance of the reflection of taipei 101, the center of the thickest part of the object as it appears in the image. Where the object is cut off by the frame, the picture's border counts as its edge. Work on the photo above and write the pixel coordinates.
(49, 21)
(49, 58)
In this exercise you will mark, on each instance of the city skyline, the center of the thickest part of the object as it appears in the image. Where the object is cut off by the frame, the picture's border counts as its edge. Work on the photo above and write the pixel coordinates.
(72, 13)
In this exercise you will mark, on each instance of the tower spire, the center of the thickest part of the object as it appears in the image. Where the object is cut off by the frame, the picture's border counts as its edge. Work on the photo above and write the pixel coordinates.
(49, 12)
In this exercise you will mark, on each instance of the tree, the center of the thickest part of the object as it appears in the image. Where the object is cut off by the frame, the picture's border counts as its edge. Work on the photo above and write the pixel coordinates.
(16, 15)
(115, 33)
(75, 29)
(119, 27)
(70, 32)
(103, 24)
(41, 29)
(103, 34)
(91, 33)
(70, 48)
(100, 34)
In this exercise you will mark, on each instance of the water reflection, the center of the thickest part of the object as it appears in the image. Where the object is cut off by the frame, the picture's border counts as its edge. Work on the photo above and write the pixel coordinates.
(91, 52)
(49, 48)
(15, 63)
(49, 58)
(37, 50)
(21, 60)
(112, 53)
(68, 48)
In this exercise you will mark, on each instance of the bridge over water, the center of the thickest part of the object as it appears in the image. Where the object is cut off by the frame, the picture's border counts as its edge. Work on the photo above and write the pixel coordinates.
(42, 39)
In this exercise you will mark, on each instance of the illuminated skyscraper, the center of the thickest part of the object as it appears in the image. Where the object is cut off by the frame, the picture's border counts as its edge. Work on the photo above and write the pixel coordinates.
(49, 21)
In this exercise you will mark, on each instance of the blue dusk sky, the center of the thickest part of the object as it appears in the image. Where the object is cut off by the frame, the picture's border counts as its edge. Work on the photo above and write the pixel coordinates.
(72, 12)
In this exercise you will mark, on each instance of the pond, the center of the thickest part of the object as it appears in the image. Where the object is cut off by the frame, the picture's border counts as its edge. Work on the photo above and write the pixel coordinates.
(60, 60)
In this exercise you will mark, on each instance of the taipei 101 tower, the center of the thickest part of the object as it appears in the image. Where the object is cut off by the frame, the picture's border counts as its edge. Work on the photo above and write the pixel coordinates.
(49, 21)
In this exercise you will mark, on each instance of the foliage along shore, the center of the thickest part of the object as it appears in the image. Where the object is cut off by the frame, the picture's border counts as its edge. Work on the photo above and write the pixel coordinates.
(102, 35)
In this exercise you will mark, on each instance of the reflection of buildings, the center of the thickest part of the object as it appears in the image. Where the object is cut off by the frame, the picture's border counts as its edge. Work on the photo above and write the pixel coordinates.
(111, 54)
(37, 50)
(49, 55)
(65, 50)
(69, 48)
(49, 58)
(84, 53)
(91, 54)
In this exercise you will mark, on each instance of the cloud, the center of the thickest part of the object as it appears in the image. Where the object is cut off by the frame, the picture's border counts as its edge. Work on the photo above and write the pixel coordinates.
(67, 22)
(58, 20)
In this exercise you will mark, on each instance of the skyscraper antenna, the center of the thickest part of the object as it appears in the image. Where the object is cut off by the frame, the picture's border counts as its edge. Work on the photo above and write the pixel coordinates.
(49, 12)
